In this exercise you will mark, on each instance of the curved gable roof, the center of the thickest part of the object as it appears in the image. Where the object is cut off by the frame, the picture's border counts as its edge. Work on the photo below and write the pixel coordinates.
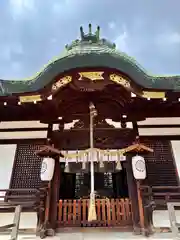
(90, 51)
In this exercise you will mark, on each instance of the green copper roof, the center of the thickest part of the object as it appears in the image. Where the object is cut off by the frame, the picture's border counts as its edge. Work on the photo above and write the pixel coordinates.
(90, 51)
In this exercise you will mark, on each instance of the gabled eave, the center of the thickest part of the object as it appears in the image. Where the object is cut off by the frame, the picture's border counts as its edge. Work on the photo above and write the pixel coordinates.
(106, 60)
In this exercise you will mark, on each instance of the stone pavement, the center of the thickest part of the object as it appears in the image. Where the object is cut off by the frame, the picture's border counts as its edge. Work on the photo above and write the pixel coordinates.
(96, 235)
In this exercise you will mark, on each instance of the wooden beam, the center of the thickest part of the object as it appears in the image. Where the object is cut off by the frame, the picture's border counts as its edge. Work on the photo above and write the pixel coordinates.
(163, 137)
(159, 126)
(24, 141)
(49, 151)
(23, 129)
(43, 140)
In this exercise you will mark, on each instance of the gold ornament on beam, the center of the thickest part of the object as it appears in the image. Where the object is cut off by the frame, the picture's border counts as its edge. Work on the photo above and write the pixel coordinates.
(119, 80)
(61, 83)
(153, 95)
(93, 76)
(28, 99)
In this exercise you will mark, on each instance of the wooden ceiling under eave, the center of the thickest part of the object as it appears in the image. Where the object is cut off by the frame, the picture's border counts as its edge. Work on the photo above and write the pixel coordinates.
(112, 102)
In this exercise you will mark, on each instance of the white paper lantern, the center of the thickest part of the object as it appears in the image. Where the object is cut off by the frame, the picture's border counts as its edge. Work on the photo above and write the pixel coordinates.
(47, 169)
(139, 167)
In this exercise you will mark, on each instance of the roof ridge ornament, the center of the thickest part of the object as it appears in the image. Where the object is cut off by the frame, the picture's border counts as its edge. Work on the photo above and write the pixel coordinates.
(98, 32)
(90, 38)
(89, 35)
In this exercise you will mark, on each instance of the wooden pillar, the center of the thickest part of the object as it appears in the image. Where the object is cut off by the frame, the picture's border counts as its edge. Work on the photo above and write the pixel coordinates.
(132, 188)
(48, 184)
(50, 129)
(43, 216)
(144, 222)
(55, 185)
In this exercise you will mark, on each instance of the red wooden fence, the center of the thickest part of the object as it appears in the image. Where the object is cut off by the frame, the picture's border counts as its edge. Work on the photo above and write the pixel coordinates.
(110, 212)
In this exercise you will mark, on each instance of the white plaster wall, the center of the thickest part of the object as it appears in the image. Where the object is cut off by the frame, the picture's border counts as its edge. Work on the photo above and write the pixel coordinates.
(22, 135)
(7, 153)
(176, 153)
(43, 134)
(22, 124)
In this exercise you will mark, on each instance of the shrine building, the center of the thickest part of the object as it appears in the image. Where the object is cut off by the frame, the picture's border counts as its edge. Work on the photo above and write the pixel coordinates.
(46, 128)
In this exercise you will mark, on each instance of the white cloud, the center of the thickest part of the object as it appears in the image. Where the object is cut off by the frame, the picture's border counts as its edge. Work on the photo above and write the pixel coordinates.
(66, 7)
(54, 40)
(168, 38)
(58, 7)
(111, 25)
(121, 42)
(20, 7)
(7, 49)
(175, 37)
(16, 67)
(5, 52)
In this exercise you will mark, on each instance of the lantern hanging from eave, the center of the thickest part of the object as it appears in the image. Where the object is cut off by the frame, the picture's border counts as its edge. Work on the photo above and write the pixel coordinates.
(47, 169)
(139, 167)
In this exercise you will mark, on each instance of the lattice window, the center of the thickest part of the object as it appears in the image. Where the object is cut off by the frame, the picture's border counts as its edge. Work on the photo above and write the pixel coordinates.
(26, 172)
(161, 170)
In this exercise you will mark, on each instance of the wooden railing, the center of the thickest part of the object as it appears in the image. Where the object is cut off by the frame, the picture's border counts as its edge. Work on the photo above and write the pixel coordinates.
(28, 198)
(110, 212)
(32, 200)
(161, 195)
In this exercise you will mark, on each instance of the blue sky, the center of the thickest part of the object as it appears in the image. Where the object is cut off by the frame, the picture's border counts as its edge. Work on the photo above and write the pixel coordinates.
(32, 32)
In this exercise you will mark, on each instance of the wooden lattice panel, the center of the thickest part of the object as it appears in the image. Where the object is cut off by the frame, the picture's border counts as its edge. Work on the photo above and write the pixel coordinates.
(161, 170)
(26, 171)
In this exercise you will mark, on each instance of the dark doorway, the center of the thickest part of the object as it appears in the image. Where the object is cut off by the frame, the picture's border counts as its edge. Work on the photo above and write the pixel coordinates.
(120, 186)
(67, 184)
(107, 184)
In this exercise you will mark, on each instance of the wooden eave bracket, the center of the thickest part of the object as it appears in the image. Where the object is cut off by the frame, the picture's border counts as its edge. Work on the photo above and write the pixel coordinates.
(139, 147)
(49, 151)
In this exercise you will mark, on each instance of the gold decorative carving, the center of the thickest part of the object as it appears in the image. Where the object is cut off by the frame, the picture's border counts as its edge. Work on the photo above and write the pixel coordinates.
(33, 98)
(119, 80)
(93, 76)
(154, 95)
(61, 83)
